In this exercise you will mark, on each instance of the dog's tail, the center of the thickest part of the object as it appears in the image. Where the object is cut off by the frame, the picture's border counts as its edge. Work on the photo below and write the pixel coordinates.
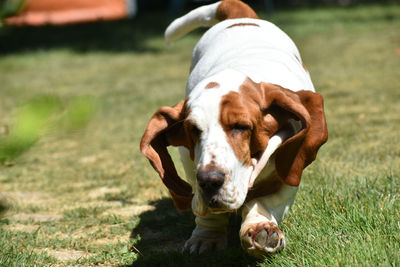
(207, 16)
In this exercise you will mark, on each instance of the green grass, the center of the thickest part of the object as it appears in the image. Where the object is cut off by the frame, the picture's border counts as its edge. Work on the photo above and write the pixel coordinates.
(86, 196)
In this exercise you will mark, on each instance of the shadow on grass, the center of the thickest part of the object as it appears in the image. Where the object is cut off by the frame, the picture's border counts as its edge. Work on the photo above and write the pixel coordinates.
(110, 36)
(163, 232)
(3, 208)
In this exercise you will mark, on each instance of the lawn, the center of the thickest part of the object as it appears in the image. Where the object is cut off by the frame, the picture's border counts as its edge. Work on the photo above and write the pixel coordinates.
(85, 196)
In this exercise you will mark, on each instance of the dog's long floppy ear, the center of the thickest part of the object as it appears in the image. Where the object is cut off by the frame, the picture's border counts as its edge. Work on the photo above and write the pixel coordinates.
(298, 151)
(166, 128)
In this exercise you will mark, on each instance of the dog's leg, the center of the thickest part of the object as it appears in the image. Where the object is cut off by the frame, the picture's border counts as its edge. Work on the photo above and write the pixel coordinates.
(209, 234)
(259, 233)
(210, 231)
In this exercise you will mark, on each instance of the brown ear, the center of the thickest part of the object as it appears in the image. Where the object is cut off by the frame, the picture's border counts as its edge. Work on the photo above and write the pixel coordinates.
(300, 150)
(166, 128)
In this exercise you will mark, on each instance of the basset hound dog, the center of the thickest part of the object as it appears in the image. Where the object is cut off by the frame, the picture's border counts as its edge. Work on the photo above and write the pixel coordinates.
(248, 126)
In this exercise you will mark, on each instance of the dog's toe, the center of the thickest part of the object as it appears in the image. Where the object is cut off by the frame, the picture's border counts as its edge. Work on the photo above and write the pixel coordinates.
(263, 238)
(198, 244)
(272, 240)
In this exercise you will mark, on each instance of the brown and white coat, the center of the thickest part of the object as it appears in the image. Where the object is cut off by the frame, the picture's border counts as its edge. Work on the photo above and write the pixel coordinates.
(250, 123)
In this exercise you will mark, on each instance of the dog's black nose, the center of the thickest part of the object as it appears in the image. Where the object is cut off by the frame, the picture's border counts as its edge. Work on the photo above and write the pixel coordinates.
(210, 181)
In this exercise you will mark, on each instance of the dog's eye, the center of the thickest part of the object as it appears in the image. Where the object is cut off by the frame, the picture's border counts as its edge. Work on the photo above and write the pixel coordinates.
(240, 127)
(196, 131)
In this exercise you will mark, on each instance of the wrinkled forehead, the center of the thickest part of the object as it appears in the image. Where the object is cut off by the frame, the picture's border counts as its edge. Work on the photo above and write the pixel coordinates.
(204, 100)
(206, 106)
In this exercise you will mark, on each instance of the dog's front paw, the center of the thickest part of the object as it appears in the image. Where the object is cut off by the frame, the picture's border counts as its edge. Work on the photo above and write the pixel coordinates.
(262, 238)
(204, 239)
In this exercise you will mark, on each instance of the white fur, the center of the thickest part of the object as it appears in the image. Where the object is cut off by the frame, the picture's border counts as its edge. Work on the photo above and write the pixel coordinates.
(204, 105)
(263, 53)
(228, 55)
(272, 208)
(200, 17)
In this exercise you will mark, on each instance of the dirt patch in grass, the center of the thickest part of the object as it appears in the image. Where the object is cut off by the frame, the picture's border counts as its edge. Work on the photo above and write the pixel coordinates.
(28, 202)
(67, 255)
(102, 191)
(22, 227)
(36, 217)
(91, 159)
(36, 198)
(58, 235)
(110, 240)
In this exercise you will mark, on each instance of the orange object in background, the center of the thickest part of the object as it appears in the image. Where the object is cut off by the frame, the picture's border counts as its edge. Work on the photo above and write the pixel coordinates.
(59, 12)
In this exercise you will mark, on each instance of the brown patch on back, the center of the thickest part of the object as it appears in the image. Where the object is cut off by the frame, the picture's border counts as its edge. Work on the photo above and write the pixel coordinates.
(304, 66)
(302, 63)
(211, 85)
(243, 24)
(234, 9)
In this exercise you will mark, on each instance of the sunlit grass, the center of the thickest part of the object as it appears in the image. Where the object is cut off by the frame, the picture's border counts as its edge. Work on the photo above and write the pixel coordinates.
(84, 195)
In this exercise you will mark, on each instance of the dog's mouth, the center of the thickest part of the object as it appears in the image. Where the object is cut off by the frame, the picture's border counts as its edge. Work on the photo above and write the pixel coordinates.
(220, 207)
(221, 201)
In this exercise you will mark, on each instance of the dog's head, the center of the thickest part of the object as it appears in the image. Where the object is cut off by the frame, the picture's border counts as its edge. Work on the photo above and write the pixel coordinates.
(226, 124)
